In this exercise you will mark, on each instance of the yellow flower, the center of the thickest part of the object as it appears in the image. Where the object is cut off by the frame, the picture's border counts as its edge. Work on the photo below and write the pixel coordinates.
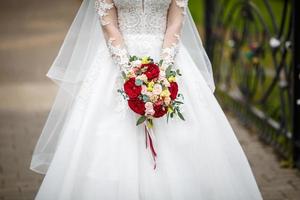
(151, 83)
(150, 86)
(172, 79)
(170, 110)
(145, 60)
(130, 75)
(165, 93)
(150, 89)
(154, 98)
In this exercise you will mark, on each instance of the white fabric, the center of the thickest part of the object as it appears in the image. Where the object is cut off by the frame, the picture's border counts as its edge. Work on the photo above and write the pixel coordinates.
(90, 147)
(102, 153)
(85, 36)
(192, 42)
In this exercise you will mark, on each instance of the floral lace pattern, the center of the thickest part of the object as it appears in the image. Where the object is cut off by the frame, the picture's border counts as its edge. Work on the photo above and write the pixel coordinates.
(101, 8)
(138, 18)
(148, 44)
(142, 16)
(169, 53)
(182, 4)
(119, 55)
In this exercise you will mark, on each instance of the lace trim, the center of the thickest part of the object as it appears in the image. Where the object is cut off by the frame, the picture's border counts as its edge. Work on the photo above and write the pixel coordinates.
(182, 4)
(168, 54)
(119, 55)
(101, 8)
(132, 19)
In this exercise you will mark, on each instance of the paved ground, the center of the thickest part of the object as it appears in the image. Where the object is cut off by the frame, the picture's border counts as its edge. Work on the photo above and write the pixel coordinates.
(30, 35)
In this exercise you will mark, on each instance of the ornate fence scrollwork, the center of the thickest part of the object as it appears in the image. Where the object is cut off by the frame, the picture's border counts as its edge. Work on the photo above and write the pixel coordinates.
(250, 45)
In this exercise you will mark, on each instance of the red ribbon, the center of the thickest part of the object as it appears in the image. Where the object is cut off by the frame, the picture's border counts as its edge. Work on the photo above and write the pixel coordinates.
(152, 149)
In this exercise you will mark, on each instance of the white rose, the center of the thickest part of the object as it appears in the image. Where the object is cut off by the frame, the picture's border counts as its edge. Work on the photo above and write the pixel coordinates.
(142, 77)
(148, 106)
(167, 100)
(136, 63)
(144, 90)
(166, 82)
(162, 73)
(157, 89)
(150, 112)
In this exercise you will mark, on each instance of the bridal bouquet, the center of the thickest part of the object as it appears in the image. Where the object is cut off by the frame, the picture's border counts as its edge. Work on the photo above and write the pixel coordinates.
(151, 91)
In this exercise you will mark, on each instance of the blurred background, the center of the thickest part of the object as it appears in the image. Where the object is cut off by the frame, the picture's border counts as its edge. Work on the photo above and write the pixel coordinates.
(251, 44)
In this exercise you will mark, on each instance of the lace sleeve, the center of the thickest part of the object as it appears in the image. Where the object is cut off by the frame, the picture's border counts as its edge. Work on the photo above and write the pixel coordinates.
(176, 16)
(108, 18)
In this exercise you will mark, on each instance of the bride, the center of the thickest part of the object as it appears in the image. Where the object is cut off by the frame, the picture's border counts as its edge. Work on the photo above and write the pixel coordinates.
(91, 148)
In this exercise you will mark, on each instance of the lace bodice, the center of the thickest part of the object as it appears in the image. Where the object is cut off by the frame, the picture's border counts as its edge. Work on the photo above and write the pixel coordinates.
(142, 16)
(141, 24)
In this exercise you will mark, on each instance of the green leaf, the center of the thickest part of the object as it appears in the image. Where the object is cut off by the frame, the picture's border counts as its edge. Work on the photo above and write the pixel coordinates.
(180, 115)
(178, 102)
(141, 120)
(178, 72)
(168, 116)
(160, 62)
(145, 98)
(124, 75)
(180, 95)
(122, 93)
(138, 82)
(132, 58)
(168, 71)
(172, 73)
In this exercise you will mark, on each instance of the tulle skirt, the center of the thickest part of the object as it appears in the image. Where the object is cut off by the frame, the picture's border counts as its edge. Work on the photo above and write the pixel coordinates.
(102, 154)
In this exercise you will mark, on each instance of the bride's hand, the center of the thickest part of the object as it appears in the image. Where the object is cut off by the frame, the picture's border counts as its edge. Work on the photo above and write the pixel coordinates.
(167, 56)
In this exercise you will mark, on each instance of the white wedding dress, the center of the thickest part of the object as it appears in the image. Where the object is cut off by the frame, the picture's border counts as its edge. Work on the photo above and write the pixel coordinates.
(95, 150)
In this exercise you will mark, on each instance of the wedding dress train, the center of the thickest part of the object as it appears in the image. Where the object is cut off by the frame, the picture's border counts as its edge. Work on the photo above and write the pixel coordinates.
(100, 153)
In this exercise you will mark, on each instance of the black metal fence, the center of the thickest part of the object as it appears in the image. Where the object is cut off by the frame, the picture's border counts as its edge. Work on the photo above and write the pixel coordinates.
(253, 48)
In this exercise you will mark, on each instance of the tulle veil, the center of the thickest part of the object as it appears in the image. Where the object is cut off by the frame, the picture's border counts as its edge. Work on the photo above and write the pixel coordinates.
(83, 40)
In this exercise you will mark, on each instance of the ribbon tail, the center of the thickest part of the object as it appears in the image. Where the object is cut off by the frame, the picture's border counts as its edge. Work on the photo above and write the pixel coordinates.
(149, 136)
(146, 136)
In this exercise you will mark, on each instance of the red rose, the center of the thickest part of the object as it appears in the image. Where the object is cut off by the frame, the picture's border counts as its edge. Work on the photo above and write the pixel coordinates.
(137, 105)
(173, 90)
(160, 111)
(152, 71)
(131, 89)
